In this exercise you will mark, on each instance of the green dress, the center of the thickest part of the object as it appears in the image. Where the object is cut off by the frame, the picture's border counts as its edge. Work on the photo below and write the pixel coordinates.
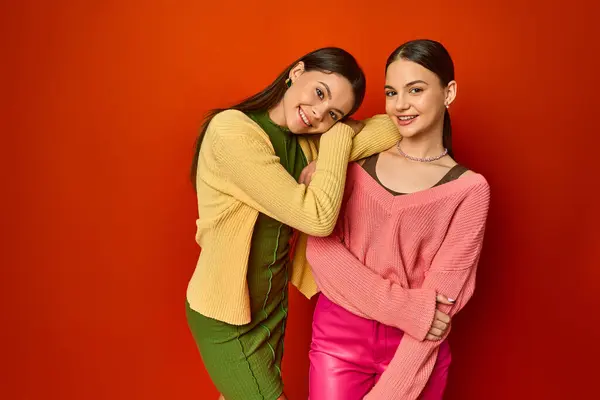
(244, 362)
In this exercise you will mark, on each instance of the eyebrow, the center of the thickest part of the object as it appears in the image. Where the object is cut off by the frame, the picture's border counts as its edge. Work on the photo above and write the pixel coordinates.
(415, 82)
(329, 95)
(407, 85)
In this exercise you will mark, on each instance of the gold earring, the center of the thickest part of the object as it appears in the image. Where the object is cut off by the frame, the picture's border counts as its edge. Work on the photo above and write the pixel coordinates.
(288, 82)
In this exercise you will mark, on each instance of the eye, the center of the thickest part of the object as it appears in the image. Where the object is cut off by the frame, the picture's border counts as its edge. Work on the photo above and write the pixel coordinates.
(390, 93)
(415, 90)
(334, 116)
(320, 93)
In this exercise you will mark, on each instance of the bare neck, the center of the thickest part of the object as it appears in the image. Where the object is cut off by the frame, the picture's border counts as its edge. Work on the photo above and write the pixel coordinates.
(426, 144)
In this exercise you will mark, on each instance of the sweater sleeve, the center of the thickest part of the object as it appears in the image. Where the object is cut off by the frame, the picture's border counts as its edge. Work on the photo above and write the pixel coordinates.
(378, 134)
(350, 284)
(452, 273)
(252, 173)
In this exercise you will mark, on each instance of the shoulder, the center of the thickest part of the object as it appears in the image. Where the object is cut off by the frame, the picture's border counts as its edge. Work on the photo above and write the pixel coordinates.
(232, 118)
(231, 133)
(477, 179)
(234, 128)
(478, 187)
(471, 183)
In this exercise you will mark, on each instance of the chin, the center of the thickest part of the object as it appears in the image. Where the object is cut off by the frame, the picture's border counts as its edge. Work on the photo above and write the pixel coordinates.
(408, 132)
(296, 129)
(411, 135)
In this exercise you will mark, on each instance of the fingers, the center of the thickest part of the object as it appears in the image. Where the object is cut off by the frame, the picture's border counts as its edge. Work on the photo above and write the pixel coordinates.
(356, 126)
(440, 298)
(307, 173)
(302, 176)
(442, 326)
(436, 332)
(432, 338)
(441, 316)
(305, 177)
(309, 179)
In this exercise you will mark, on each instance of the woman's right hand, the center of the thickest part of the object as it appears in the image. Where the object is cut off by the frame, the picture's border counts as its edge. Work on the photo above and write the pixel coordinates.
(356, 125)
(307, 173)
(441, 320)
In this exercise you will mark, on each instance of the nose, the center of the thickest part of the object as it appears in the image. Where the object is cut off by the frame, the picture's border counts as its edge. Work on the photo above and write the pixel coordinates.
(318, 112)
(401, 103)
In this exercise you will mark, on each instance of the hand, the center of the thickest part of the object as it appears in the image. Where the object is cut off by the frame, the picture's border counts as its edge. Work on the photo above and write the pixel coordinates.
(307, 172)
(441, 320)
(356, 126)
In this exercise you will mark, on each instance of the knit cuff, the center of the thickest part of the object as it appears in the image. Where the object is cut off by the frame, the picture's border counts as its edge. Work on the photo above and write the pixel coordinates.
(420, 313)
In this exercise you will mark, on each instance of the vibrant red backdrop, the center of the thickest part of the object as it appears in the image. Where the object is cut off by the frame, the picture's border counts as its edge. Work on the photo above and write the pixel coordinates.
(103, 99)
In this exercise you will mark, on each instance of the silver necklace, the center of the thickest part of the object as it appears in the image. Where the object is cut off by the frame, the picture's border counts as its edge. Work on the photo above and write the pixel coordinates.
(421, 159)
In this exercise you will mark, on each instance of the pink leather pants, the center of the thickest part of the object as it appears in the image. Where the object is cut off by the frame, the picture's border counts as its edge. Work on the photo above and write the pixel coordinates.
(348, 354)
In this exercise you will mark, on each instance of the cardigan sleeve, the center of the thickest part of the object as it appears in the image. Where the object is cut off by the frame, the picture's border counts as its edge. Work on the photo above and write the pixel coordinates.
(378, 134)
(452, 273)
(251, 172)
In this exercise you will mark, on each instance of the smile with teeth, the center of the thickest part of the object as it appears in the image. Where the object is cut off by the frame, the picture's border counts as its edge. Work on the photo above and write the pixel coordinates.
(304, 117)
(406, 117)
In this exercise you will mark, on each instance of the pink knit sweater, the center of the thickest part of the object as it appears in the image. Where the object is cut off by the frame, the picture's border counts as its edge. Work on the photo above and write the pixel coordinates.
(390, 255)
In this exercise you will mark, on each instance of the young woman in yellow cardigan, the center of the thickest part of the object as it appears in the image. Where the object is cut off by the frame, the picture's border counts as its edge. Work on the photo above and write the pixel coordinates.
(248, 161)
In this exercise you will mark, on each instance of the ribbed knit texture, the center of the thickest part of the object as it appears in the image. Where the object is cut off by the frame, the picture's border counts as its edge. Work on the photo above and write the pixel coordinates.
(240, 176)
(390, 255)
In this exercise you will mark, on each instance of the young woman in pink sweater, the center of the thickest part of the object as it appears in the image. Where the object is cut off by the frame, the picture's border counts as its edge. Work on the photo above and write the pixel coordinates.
(403, 257)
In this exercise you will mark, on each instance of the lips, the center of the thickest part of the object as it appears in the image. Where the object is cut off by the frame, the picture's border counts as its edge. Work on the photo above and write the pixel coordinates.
(404, 120)
(304, 118)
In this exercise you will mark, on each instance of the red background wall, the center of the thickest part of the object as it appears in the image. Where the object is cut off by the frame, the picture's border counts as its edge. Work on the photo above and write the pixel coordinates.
(102, 101)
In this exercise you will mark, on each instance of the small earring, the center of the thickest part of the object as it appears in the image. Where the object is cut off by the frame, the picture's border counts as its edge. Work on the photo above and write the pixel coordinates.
(288, 82)
(447, 105)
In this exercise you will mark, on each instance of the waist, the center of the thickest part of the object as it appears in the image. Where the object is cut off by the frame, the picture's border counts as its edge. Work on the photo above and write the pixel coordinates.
(332, 317)
(337, 331)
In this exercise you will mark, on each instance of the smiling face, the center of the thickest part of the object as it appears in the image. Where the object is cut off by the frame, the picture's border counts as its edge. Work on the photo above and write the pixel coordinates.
(415, 97)
(316, 100)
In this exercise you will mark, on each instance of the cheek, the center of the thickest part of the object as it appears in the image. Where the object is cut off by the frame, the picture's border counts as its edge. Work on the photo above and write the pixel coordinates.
(426, 104)
(390, 106)
(304, 95)
(294, 95)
